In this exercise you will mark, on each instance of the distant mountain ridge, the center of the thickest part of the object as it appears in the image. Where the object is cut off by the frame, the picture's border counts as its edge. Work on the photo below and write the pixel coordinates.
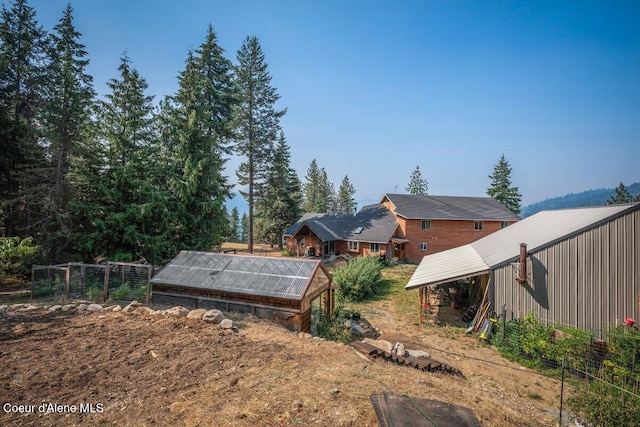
(586, 198)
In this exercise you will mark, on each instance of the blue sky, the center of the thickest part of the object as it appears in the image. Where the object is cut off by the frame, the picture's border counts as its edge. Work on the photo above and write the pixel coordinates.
(375, 88)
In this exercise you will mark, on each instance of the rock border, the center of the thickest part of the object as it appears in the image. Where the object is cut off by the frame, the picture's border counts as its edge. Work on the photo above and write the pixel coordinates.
(213, 316)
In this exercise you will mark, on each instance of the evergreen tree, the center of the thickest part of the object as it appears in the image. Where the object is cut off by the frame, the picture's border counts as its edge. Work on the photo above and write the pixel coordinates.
(501, 188)
(197, 127)
(280, 204)
(311, 188)
(244, 228)
(66, 117)
(417, 185)
(346, 203)
(234, 225)
(133, 220)
(23, 166)
(622, 196)
(258, 122)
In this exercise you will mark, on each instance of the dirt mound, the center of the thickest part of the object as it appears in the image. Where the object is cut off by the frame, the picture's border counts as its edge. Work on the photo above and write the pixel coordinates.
(137, 369)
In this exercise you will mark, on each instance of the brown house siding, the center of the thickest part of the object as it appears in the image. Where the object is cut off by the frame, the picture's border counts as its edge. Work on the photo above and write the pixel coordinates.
(443, 235)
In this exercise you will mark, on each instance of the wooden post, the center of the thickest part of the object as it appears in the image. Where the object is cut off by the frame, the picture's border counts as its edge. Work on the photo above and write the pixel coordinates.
(106, 282)
(421, 306)
(148, 297)
(67, 279)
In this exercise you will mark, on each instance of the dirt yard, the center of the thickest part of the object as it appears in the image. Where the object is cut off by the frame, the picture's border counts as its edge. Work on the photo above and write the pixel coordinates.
(140, 369)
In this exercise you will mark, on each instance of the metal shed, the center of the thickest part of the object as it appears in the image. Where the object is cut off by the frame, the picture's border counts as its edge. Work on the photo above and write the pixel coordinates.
(580, 267)
(276, 288)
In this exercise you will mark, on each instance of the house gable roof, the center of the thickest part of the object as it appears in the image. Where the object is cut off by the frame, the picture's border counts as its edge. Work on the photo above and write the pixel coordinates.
(377, 224)
(537, 231)
(414, 206)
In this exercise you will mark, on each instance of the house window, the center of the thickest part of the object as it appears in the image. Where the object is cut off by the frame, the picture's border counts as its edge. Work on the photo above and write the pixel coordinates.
(477, 225)
(504, 224)
(352, 246)
(423, 246)
(301, 241)
(426, 224)
(374, 247)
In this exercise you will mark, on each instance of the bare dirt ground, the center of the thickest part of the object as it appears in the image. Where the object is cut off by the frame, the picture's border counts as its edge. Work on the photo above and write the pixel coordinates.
(139, 369)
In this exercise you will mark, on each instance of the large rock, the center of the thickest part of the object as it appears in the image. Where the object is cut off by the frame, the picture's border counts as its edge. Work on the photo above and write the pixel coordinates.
(55, 307)
(418, 353)
(17, 306)
(4, 307)
(31, 307)
(357, 330)
(94, 307)
(82, 307)
(226, 324)
(196, 314)
(213, 316)
(178, 311)
(381, 344)
(117, 308)
(68, 307)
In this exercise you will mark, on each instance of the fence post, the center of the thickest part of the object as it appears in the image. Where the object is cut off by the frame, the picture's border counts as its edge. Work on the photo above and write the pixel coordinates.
(106, 283)
(561, 393)
(149, 268)
(67, 279)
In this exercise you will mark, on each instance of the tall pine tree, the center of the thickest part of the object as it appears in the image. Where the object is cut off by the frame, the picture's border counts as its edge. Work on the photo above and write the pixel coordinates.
(280, 204)
(197, 128)
(417, 184)
(258, 123)
(23, 171)
(501, 188)
(132, 210)
(622, 195)
(66, 119)
(345, 201)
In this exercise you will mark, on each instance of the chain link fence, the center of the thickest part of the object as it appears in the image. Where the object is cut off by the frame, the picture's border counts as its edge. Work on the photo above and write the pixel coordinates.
(118, 281)
(600, 370)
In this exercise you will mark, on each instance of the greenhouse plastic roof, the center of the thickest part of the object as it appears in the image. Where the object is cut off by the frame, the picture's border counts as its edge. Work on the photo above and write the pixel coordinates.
(253, 275)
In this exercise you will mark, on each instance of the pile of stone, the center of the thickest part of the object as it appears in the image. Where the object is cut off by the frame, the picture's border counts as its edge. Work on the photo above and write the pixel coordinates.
(210, 316)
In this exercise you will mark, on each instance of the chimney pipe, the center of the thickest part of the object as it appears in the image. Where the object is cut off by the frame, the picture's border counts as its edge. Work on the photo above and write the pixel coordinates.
(522, 277)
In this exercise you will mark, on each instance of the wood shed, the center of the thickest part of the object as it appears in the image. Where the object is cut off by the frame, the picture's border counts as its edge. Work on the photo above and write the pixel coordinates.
(278, 288)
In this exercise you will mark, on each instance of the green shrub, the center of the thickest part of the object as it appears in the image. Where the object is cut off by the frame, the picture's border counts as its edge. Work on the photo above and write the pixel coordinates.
(94, 293)
(16, 256)
(122, 293)
(44, 289)
(332, 327)
(359, 279)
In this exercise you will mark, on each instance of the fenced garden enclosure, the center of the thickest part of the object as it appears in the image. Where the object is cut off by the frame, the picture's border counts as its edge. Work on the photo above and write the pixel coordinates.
(98, 282)
(601, 369)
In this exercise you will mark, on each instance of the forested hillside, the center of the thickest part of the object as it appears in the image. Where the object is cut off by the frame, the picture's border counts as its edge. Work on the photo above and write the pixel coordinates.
(596, 197)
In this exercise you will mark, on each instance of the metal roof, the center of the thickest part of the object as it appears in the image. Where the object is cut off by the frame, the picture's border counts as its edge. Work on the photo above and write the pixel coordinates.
(537, 231)
(415, 206)
(242, 274)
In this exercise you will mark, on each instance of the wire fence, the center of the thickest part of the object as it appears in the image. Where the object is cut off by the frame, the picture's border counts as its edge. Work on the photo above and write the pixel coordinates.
(97, 282)
(600, 376)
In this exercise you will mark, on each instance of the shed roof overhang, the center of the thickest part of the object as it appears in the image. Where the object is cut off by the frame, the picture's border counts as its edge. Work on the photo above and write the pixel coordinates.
(447, 266)
(399, 240)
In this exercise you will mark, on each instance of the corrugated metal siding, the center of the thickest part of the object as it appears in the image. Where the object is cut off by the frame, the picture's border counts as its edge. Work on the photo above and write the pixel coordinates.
(590, 281)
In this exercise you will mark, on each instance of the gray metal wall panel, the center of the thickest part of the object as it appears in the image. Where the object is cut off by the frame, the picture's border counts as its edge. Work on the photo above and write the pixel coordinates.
(590, 281)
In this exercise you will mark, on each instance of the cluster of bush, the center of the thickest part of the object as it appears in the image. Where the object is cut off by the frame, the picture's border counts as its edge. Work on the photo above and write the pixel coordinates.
(610, 372)
(16, 257)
